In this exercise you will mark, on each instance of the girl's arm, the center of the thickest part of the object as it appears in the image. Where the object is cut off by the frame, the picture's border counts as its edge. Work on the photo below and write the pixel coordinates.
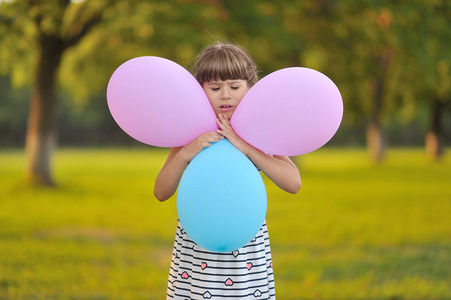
(280, 169)
(178, 159)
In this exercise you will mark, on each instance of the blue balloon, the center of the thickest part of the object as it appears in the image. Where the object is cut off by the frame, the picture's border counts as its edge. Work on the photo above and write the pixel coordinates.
(221, 199)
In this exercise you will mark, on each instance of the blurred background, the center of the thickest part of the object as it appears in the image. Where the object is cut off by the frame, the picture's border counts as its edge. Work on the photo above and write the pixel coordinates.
(66, 233)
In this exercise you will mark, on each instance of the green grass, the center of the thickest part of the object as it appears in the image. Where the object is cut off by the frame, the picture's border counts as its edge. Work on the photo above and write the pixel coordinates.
(354, 231)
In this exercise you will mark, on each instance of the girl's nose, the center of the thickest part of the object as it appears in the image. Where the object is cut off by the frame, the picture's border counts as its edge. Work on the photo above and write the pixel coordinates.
(225, 94)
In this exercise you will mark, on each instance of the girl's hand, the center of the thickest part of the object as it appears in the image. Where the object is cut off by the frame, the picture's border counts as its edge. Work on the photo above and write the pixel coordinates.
(202, 141)
(280, 169)
(178, 159)
(227, 131)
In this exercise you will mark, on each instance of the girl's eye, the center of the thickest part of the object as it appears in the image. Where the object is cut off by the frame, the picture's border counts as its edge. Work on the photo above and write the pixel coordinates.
(215, 89)
(235, 87)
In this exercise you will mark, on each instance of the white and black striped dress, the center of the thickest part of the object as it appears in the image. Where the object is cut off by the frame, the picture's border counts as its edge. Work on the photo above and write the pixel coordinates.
(197, 273)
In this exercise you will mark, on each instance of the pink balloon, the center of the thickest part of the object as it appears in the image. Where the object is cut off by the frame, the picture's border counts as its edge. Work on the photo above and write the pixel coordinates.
(292, 111)
(158, 102)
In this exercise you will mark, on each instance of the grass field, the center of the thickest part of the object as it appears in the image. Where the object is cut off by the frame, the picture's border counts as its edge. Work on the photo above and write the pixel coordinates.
(354, 231)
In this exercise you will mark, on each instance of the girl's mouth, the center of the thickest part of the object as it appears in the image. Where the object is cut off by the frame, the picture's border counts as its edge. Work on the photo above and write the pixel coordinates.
(225, 108)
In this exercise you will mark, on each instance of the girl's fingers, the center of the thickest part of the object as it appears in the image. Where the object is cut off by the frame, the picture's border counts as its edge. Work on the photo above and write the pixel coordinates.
(203, 141)
(223, 123)
(227, 121)
(219, 123)
(221, 134)
(226, 129)
(224, 119)
(213, 137)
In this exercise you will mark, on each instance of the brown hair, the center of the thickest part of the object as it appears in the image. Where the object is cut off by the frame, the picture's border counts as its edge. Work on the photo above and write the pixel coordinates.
(225, 61)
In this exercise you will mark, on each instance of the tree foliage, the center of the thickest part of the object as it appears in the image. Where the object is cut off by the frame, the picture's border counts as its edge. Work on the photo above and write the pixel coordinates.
(390, 59)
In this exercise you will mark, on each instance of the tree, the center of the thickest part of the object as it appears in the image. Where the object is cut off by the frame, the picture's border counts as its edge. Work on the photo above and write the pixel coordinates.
(384, 56)
(43, 31)
(77, 45)
(370, 59)
(352, 42)
(409, 61)
(429, 54)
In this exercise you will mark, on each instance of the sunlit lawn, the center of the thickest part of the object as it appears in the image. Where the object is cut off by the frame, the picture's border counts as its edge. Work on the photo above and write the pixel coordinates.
(354, 231)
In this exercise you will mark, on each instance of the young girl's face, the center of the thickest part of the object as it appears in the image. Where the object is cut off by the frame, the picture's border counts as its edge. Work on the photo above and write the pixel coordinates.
(225, 95)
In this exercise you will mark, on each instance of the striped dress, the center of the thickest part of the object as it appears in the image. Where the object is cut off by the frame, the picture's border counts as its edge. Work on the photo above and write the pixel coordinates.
(197, 273)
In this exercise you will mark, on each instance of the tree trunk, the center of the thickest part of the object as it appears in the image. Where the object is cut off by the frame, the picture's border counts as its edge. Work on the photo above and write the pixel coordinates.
(41, 135)
(376, 142)
(374, 136)
(434, 137)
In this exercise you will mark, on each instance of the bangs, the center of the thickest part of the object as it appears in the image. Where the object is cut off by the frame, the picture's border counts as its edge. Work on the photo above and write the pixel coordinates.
(225, 63)
(222, 67)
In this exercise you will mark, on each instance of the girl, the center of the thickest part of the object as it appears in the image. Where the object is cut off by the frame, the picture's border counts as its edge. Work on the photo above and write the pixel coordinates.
(225, 72)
